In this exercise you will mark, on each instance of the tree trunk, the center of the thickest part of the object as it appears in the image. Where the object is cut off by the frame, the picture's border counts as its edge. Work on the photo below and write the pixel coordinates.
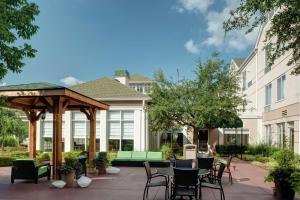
(195, 136)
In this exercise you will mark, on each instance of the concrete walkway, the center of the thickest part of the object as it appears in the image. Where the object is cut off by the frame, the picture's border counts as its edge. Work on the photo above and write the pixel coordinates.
(129, 184)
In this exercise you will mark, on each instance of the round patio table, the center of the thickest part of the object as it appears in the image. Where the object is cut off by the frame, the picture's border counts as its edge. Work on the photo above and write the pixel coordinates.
(168, 171)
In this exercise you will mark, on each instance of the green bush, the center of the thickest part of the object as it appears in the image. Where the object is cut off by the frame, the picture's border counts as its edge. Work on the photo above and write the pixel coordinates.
(6, 161)
(45, 156)
(9, 141)
(261, 149)
(166, 151)
(230, 149)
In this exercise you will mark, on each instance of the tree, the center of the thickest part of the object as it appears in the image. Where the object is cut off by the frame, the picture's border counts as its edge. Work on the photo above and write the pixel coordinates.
(211, 100)
(16, 27)
(12, 125)
(284, 32)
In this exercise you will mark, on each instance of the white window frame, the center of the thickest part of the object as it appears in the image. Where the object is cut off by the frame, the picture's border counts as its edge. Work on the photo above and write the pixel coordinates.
(281, 82)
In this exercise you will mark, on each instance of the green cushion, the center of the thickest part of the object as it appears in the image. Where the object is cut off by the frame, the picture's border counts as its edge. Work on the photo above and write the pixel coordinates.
(42, 170)
(154, 155)
(124, 155)
(139, 155)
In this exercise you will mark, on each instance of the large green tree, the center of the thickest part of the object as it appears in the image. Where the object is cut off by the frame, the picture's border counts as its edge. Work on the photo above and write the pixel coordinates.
(12, 125)
(16, 27)
(210, 100)
(284, 33)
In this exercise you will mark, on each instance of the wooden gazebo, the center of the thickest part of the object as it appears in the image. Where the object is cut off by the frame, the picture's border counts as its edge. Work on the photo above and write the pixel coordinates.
(38, 98)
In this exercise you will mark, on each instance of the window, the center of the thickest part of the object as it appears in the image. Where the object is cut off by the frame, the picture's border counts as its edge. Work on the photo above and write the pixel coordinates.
(113, 145)
(244, 80)
(268, 97)
(47, 144)
(268, 135)
(79, 144)
(280, 87)
(268, 49)
(236, 136)
(121, 129)
(280, 134)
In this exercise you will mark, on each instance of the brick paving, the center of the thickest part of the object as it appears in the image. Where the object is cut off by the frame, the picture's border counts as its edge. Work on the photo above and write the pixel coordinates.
(129, 184)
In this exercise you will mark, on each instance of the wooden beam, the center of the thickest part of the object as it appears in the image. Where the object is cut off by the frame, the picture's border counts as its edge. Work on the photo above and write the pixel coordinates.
(57, 136)
(92, 143)
(65, 105)
(87, 114)
(46, 103)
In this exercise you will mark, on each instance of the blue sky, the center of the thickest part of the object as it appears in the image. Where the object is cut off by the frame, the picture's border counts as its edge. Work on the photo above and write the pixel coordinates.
(82, 40)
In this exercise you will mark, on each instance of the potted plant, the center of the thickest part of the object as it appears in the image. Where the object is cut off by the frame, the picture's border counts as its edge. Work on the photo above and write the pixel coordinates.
(68, 169)
(100, 162)
(285, 174)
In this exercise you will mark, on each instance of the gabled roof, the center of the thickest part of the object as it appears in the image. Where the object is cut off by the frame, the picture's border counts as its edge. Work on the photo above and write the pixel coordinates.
(108, 89)
(31, 86)
(139, 78)
(238, 61)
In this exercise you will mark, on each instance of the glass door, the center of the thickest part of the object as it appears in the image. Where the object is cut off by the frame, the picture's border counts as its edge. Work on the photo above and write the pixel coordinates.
(203, 139)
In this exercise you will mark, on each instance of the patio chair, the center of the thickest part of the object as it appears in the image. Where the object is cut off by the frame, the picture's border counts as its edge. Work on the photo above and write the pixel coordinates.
(206, 163)
(227, 169)
(28, 169)
(217, 181)
(184, 163)
(149, 183)
(185, 183)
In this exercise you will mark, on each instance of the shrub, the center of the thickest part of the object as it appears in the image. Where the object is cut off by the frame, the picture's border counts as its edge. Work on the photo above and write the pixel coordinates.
(6, 161)
(231, 149)
(9, 141)
(43, 157)
(166, 151)
(261, 149)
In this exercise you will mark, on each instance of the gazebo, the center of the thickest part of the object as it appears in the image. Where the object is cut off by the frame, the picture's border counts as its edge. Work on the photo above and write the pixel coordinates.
(36, 99)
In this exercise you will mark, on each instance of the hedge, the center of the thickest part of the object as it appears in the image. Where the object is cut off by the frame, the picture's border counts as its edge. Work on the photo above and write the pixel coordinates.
(230, 149)
(6, 161)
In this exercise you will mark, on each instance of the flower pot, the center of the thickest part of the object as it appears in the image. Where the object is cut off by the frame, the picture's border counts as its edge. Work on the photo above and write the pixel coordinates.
(69, 179)
(284, 190)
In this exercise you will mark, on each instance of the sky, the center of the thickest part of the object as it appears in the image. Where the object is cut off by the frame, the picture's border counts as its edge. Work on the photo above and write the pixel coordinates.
(82, 40)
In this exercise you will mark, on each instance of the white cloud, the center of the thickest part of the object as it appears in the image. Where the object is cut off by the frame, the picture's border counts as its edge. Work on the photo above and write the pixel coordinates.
(191, 47)
(234, 40)
(70, 80)
(195, 5)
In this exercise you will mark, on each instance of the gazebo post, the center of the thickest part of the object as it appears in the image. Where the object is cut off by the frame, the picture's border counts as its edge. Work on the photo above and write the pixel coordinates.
(57, 135)
(92, 143)
(32, 138)
(32, 118)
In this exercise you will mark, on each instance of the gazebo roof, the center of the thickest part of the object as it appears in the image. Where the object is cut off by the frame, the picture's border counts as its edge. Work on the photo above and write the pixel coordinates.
(40, 96)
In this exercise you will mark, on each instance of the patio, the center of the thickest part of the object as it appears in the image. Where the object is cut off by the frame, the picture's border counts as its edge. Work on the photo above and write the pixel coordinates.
(129, 184)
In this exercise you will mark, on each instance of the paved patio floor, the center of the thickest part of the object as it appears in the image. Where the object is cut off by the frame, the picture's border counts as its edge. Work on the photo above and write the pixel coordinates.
(129, 184)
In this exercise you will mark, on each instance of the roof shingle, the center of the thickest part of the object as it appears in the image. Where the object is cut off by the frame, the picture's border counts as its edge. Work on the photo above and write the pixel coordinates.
(106, 88)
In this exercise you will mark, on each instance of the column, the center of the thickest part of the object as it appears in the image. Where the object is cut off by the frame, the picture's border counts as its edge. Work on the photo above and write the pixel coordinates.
(103, 131)
(92, 143)
(137, 130)
(68, 131)
(32, 137)
(57, 135)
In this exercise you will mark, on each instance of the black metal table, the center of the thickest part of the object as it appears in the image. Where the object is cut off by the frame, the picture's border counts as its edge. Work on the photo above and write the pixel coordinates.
(168, 171)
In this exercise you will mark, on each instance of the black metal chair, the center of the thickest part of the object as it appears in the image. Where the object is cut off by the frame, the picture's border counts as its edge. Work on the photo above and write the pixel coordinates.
(227, 169)
(184, 163)
(149, 183)
(206, 163)
(28, 169)
(217, 181)
(185, 183)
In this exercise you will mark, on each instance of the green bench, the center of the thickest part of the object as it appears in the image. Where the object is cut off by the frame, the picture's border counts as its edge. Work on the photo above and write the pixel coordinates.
(137, 158)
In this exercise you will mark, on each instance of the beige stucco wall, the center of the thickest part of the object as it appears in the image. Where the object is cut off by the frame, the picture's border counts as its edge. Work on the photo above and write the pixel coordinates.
(290, 103)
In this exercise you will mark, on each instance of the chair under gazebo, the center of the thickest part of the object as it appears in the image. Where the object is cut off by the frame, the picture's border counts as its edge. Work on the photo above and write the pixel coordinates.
(36, 99)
